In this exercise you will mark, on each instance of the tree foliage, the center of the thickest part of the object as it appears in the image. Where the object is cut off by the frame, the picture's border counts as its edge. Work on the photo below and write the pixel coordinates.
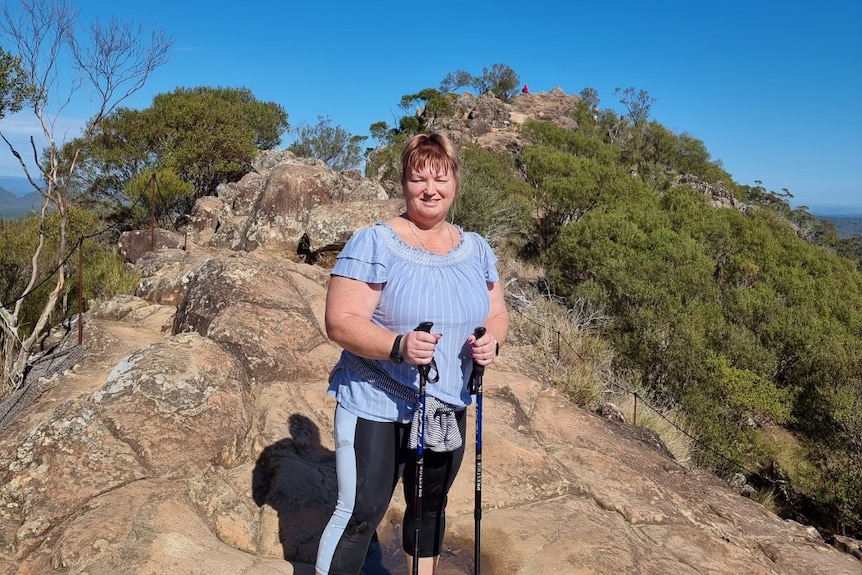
(15, 87)
(204, 136)
(158, 196)
(499, 80)
(690, 156)
(334, 145)
(455, 81)
(638, 103)
(733, 316)
(210, 135)
(103, 274)
(434, 105)
(491, 200)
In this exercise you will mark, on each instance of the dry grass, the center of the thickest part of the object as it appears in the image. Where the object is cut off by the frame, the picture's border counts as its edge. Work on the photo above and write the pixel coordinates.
(766, 497)
(561, 347)
(108, 275)
(781, 446)
(667, 423)
(564, 348)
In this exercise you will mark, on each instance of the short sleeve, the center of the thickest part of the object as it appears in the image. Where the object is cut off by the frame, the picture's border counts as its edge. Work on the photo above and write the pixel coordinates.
(364, 257)
(488, 259)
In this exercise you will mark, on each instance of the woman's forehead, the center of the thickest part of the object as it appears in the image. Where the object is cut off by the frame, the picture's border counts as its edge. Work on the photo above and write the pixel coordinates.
(435, 166)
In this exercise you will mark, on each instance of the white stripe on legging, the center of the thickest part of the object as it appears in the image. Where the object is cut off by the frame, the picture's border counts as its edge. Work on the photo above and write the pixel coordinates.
(345, 468)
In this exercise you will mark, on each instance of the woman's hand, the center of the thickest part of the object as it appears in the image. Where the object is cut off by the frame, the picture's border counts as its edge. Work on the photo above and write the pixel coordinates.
(417, 347)
(484, 349)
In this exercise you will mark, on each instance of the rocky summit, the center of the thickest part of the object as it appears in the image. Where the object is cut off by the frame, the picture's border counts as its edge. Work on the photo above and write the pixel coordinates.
(191, 434)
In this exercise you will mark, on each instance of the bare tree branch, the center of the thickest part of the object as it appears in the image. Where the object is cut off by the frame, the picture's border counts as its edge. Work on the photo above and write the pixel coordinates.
(115, 61)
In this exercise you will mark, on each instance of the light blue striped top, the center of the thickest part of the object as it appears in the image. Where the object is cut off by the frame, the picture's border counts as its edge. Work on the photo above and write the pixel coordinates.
(450, 290)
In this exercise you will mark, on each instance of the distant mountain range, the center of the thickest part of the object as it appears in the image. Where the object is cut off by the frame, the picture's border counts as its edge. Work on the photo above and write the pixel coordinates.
(18, 186)
(844, 211)
(17, 197)
(847, 226)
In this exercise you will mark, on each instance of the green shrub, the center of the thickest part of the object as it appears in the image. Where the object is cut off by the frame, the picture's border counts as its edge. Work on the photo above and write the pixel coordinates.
(107, 275)
(492, 202)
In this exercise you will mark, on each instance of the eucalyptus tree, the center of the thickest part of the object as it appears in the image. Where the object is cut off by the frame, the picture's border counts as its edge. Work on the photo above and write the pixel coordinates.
(637, 103)
(191, 139)
(334, 145)
(500, 80)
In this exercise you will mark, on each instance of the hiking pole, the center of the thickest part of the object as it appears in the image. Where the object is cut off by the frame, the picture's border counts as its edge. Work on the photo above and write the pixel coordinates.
(474, 387)
(424, 378)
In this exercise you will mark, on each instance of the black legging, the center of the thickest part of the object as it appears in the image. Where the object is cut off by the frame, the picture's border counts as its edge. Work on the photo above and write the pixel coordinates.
(370, 457)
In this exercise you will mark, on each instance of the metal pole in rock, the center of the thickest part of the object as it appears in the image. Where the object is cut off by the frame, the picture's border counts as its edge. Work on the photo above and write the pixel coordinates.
(81, 291)
(153, 213)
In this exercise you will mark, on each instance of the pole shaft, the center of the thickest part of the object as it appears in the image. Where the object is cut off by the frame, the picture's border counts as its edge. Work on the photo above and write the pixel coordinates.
(424, 371)
(475, 387)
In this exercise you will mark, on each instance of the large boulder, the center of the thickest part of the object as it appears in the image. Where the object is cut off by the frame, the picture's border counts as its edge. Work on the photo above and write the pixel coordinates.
(205, 219)
(136, 426)
(330, 226)
(134, 244)
(163, 274)
(280, 215)
(270, 329)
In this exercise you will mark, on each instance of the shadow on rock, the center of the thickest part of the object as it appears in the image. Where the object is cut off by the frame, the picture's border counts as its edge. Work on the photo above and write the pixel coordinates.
(296, 477)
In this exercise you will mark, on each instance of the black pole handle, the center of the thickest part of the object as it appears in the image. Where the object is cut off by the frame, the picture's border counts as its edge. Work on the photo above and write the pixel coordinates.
(479, 369)
(425, 326)
(425, 370)
(473, 385)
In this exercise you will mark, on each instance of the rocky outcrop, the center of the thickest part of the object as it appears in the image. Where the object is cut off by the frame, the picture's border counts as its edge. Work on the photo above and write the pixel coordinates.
(270, 329)
(493, 124)
(279, 207)
(300, 208)
(329, 227)
(209, 449)
(720, 196)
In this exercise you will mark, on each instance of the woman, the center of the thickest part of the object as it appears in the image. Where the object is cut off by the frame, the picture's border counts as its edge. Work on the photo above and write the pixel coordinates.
(388, 279)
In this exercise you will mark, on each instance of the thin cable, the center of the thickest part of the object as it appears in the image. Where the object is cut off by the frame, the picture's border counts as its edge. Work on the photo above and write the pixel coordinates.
(703, 446)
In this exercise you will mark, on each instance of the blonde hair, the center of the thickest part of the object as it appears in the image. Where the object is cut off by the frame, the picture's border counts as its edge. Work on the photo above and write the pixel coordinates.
(434, 151)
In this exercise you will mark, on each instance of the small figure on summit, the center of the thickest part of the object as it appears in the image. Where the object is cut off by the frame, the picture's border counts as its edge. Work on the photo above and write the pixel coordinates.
(525, 90)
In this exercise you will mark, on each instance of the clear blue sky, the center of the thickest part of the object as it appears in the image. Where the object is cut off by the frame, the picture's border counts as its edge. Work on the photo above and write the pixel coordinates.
(774, 89)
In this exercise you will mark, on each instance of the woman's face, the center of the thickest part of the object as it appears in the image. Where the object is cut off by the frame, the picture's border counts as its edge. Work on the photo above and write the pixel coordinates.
(429, 194)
